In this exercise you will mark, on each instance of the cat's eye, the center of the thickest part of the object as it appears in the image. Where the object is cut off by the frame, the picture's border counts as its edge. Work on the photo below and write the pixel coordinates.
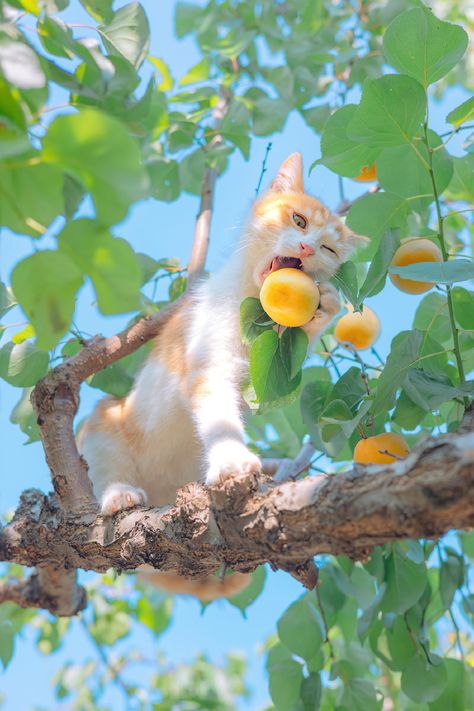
(299, 220)
(329, 249)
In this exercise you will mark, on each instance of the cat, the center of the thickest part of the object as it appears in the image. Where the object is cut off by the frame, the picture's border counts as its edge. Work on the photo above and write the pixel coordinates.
(183, 419)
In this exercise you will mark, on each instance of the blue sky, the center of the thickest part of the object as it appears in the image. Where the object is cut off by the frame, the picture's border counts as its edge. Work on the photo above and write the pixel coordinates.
(163, 230)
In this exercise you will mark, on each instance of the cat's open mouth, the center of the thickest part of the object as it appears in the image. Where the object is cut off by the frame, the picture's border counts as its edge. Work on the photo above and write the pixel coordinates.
(285, 263)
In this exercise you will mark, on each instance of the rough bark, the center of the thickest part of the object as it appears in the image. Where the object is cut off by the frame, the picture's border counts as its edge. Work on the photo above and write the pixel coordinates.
(247, 522)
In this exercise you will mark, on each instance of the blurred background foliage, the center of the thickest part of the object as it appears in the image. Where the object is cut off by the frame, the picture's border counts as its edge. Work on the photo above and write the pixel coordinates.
(91, 124)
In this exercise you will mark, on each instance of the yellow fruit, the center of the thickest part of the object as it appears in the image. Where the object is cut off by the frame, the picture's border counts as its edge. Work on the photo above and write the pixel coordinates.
(360, 329)
(412, 251)
(290, 297)
(378, 449)
(367, 174)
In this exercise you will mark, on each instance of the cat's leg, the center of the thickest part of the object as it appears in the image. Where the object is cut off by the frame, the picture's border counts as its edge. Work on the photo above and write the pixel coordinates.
(216, 408)
(112, 469)
(329, 306)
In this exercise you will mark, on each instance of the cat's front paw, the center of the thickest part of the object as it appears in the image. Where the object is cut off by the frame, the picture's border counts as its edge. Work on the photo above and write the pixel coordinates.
(119, 497)
(231, 458)
(329, 306)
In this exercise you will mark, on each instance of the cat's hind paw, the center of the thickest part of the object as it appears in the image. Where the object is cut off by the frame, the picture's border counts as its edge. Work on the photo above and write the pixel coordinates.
(119, 497)
(230, 458)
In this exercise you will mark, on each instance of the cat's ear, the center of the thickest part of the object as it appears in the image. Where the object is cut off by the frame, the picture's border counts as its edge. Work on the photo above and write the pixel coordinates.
(289, 176)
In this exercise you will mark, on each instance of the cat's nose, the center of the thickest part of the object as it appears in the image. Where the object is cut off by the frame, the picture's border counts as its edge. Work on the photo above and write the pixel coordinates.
(306, 250)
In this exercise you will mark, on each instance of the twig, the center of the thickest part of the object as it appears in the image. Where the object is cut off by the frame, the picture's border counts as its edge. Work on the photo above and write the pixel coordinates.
(264, 167)
(330, 358)
(115, 673)
(359, 360)
(291, 468)
(325, 622)
(203, 221)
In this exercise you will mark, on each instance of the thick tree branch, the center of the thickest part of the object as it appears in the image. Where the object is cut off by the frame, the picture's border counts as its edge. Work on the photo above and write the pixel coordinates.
(203, 221)
(56, 399)
(246, 522)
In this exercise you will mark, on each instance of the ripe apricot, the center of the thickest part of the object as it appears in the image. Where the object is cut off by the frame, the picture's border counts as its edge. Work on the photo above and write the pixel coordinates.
(380, 448)
(360, 329)
(412, 251)
(368, 173)
(290, 297)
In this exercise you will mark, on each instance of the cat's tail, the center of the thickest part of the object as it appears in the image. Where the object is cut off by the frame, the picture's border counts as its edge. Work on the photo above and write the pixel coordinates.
(205, 589)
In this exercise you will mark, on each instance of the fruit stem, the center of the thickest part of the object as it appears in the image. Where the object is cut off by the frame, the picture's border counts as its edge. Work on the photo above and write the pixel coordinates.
(444, 250)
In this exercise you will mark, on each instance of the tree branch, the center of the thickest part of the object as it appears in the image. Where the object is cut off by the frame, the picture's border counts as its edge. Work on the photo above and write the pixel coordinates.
(203, 221)
(247, 522)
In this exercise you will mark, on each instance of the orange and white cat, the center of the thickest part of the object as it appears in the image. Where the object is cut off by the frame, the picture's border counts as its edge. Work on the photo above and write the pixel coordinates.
(183, 419)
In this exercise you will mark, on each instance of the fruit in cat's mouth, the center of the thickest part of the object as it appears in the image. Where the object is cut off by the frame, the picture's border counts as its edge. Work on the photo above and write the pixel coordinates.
(384, 448)
(412, 251)
(290, 297)
(368, 173)
(359, 329)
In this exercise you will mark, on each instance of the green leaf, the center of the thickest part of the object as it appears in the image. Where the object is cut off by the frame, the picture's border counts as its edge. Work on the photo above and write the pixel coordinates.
(418, 44)
(109, 261)
(401, 645)
(293, 350)
(345, 279)
(45, 285)
(461, 186)
(269, 115)
(22, 365)
(99, 151)
(432, 316)
(154, 613)
(187, 16)
(430, 390)
(100, 10)
(25, 417)
(7, 642)
(317, 116)
(377, 273)
(166, 79)
(372, 215)
(127, 34)
(462, 113)
(422, 681)
(451, 577)
(390, 111)
(438, 272)
(299, 628)
(198, 73)
(350, 388)
(6, 299)
(164, 179)
(405, 582)
(268, 373)
(247, 596)
(311, 692)
(20, 65)
(284, 679)
(408, 349)
(340, 153)
(31, 197)
(359, 695)
(463, 302)
(191, 171)
(113, 380)
(404, 170)
(457, 694)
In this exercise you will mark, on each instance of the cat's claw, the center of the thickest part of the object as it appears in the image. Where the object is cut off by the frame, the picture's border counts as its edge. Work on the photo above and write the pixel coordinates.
(230, 458)
(119, 497)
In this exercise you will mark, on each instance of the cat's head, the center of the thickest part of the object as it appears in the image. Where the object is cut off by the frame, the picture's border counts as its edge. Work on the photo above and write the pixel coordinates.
(289, 228)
